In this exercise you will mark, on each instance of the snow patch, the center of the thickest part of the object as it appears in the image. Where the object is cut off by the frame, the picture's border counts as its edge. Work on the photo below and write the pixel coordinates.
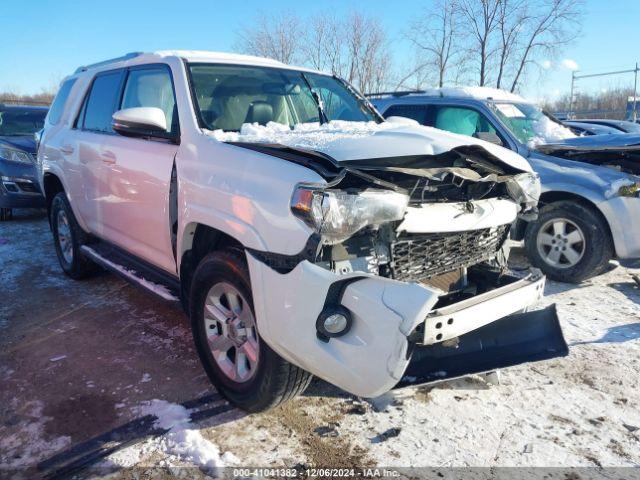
(180, 444)
(58, 358)
(548, 131)
(145, 378)
(312, 136)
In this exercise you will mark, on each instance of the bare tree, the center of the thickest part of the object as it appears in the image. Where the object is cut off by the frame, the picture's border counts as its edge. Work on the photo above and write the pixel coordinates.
(552, 24)
(512, 18)
(480, 18)
(276, 37)
(435, 37)
(322, 46)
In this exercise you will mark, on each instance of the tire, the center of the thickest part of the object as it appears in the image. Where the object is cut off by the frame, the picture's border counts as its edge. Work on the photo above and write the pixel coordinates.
(574, 233)
(222, 280)
(68, 238)
(5, 214)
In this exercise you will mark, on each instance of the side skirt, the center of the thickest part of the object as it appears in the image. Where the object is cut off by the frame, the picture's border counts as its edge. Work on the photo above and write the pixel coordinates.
(135, 270)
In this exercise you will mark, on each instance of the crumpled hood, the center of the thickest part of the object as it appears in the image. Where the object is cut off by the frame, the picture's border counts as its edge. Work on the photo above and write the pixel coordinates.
(595, 143)
(26, 143)
(350, 141)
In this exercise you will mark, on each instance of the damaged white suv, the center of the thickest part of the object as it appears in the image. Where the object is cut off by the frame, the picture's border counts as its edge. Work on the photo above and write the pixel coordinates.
(303, 234)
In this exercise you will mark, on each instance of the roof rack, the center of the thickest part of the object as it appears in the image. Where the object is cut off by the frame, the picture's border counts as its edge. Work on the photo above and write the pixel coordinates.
(398, 93)
(128, 56)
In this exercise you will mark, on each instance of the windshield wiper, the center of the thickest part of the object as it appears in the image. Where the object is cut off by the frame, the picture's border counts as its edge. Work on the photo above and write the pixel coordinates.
(316, 97)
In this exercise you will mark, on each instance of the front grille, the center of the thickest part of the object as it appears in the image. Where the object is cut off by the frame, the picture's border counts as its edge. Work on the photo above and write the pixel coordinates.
(420, 257)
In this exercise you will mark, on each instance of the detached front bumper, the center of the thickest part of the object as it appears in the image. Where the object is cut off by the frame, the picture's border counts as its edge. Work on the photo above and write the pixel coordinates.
(392, 322)
(623, 216)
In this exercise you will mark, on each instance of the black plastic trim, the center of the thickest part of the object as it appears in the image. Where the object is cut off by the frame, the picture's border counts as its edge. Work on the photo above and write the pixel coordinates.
(282, 263)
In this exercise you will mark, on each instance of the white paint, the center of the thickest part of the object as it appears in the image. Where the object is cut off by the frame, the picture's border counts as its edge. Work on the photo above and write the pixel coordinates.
(456, 217)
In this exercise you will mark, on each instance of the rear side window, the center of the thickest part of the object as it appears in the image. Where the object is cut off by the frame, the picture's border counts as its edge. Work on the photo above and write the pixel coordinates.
(57, 107)
(102, 102)
(152, 87)
(414, 112)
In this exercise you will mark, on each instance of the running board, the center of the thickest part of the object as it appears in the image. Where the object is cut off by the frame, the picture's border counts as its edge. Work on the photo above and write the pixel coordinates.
(518, 338)
(135, 271)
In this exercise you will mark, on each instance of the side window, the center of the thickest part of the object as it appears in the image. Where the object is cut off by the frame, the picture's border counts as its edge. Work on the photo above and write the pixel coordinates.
(464, 121)
(101, 102)
(415, 112)
(152, 87)
(57, 107)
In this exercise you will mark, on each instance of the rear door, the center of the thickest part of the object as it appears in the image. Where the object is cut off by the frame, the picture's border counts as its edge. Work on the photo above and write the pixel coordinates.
(92, 127)
(134, 202)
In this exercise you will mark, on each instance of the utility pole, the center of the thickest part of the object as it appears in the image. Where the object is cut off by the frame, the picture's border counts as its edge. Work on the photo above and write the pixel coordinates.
(635, 93)
(573, 82)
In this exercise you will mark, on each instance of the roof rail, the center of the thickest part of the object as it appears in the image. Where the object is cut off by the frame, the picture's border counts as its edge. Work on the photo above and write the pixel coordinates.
(128, 56)
(398, 93)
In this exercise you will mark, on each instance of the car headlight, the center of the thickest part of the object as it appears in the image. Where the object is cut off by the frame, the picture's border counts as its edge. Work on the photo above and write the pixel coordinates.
(14, 155)
(336, 214)
(629, 189)
(525, 189)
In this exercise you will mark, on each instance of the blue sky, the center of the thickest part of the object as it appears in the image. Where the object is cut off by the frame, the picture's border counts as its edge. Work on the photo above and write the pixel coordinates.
(45, 40)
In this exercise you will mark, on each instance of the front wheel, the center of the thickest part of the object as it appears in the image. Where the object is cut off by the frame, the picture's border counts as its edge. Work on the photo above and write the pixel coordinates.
(241, 366)
(68, 238)
(569, 242)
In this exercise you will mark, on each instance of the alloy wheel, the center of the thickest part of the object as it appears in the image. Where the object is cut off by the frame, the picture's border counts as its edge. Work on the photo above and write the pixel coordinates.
(561, 243)
(65, 241)
(231, 332)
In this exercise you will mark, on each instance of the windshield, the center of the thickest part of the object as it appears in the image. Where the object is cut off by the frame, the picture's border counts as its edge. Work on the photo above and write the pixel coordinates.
(228, 96)
(530, 124)
(19, 121)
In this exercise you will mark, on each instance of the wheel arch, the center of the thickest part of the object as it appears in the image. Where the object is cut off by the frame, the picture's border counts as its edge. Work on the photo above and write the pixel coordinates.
(199, 239)
(52, 185)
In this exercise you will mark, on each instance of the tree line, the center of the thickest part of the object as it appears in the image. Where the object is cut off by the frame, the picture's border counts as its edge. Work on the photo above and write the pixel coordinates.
(477, 42)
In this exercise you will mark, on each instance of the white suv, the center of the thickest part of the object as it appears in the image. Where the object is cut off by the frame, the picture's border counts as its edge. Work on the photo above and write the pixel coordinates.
(303, 234)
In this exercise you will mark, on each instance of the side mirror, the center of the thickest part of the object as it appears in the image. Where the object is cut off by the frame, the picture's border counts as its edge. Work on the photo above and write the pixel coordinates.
(490, 137)
(140, 122)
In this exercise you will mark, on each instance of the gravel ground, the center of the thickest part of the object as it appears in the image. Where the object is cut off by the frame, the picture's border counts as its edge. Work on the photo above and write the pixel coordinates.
(85, 366)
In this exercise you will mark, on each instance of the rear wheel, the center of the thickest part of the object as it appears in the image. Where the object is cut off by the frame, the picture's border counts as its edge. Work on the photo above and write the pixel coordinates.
(569, 242)
(241, 366)
(68, 238)
(5, 214)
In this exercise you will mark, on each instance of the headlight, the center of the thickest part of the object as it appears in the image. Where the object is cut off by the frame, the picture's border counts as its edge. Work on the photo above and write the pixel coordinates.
(525, 189)
(336, 215)
(630, 189)
(13, 155)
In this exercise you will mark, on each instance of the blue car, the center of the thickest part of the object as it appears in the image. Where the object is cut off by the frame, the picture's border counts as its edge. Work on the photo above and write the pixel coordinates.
(18, 178)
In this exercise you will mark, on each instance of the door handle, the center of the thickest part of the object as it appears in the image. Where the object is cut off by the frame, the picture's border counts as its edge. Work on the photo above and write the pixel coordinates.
(66, 149)
(108, 157)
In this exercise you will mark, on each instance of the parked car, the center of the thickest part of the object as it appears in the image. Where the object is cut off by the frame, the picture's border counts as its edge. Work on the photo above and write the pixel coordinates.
(588, 202)
(19, 186)
(585, 129)
(620, 125)
(303, 234)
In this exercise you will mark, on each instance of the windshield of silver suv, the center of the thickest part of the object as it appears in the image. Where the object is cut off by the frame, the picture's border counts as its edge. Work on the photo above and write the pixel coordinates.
(529, 124)
(228, 96)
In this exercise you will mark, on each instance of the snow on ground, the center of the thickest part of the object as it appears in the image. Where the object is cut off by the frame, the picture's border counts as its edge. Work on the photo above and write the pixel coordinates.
(121, 355)
(182, 444)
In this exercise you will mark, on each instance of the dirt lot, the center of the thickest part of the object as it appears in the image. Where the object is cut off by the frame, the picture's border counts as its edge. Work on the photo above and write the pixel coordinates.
(83, 365)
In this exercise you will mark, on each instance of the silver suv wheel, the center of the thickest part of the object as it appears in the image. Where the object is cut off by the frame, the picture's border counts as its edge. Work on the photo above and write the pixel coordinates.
(231, 332)
(561, 243)
(64, 236)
